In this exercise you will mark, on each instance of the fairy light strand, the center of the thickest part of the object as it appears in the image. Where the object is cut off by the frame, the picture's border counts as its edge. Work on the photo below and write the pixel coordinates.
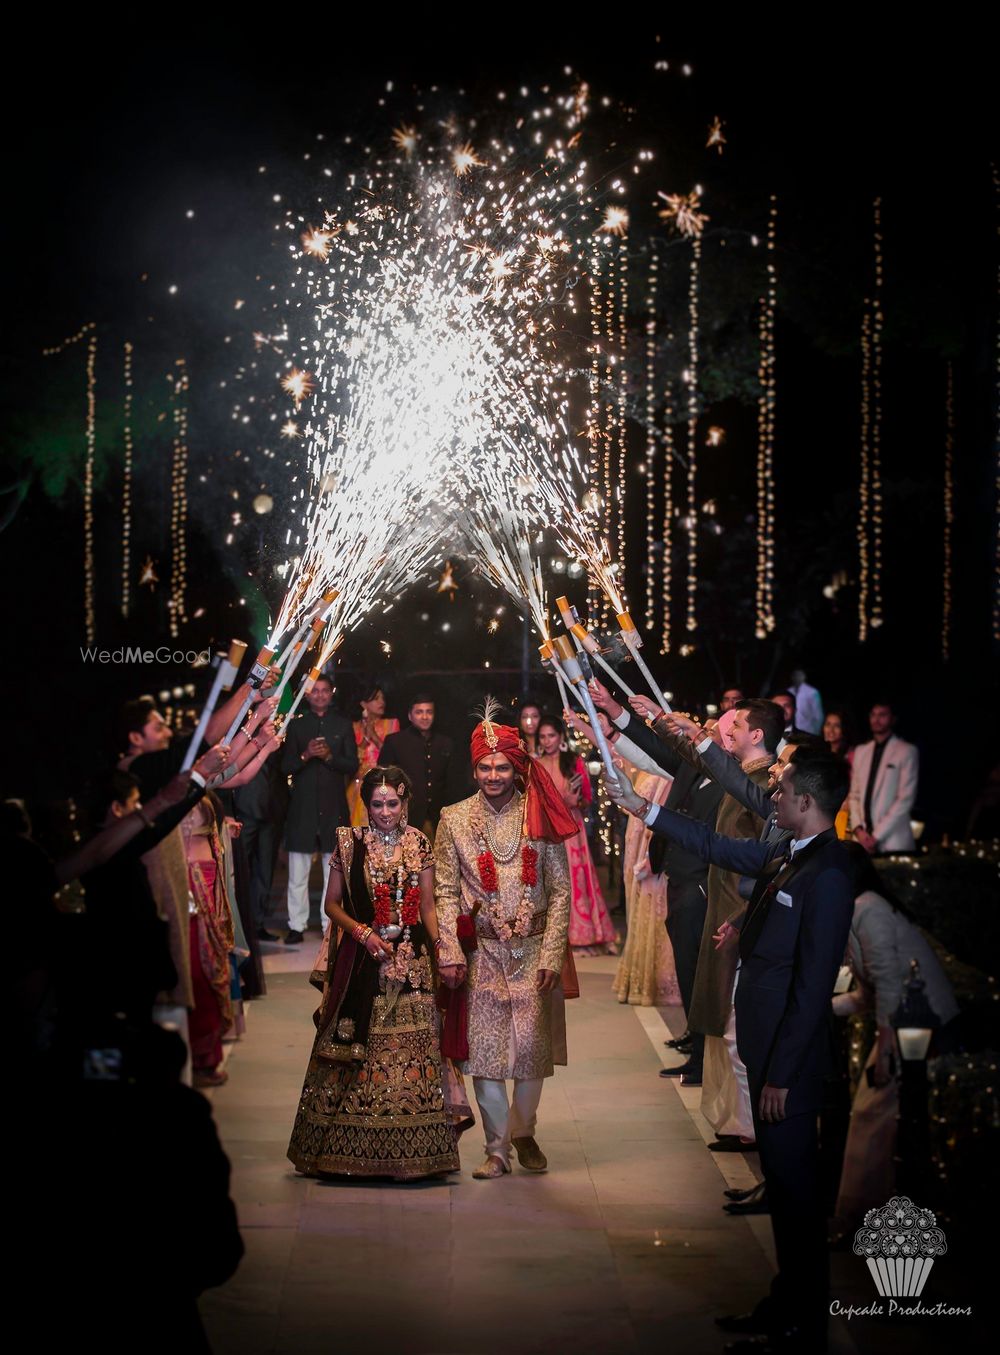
(766, 405)
(127, 481)
(996, 481)
(666, 581)
(594, 406)
(610, 410)
(652, 278)
(876, 425)
(88, 332)
(863, 487)
(178, 500)
(622, 487)
(949, 514)
(691, 621)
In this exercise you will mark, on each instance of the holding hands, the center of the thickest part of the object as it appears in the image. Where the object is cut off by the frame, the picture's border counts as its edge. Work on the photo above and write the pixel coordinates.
(603, 699)
(686, 727)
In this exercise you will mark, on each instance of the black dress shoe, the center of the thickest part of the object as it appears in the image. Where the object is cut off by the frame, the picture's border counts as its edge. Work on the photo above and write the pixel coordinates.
(681, 1042)
(294, 938)
(731, 1144)
(680, 1069)
(691, 1079)
(264, 935)
(734, 1193)
(755, 1203)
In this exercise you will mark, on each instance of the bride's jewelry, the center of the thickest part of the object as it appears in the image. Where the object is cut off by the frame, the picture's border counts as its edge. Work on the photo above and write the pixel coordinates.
(389, 838)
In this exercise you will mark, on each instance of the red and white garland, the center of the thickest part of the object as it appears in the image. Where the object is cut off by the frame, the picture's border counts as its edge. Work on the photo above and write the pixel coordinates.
(520, 924)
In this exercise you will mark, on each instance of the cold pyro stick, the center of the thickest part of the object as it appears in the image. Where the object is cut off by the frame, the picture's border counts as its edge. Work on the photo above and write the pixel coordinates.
(301, 643)
(225, 675)
(633, 641)
(586, 642)
(570, 665)
(257, 677)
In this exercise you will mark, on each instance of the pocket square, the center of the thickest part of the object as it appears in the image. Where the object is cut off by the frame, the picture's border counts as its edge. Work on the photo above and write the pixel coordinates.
(784, 898)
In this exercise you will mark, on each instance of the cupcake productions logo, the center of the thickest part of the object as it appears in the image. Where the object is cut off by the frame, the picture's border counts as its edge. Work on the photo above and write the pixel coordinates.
(900, 1243)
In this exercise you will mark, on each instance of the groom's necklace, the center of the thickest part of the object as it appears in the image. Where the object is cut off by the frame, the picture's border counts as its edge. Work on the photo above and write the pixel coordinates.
(504, 843)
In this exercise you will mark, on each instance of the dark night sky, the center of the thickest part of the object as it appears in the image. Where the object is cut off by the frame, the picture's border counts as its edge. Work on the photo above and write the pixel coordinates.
(107, 153)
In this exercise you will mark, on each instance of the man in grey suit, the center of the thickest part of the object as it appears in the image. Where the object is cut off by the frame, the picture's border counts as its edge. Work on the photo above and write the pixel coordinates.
(883, 786)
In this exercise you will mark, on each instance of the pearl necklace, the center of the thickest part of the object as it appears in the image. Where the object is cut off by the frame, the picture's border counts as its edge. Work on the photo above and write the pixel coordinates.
(504, 851)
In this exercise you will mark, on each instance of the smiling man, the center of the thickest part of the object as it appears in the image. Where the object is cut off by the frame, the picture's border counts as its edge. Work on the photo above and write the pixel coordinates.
(502, 895)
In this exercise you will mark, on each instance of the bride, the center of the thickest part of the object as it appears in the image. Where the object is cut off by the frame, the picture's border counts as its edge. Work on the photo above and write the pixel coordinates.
(373, 1102)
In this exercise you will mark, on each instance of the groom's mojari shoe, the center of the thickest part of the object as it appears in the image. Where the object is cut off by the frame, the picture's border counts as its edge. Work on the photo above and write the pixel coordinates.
(491, 1168)
(530, 1156)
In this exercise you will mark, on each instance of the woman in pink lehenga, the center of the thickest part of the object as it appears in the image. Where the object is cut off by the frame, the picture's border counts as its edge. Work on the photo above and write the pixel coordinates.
(590, 927)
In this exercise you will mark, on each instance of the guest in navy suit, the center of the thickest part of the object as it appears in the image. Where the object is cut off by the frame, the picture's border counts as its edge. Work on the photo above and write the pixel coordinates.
(791, 946)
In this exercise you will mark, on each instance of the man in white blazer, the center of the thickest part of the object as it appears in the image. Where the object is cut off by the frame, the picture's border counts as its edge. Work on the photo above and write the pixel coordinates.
(883, 786)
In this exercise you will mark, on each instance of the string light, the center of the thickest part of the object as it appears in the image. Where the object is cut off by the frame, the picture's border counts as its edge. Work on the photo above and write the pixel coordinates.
(666, 584)
(691, 622)
(996, 482)
(765, 438)
(127, 483)
(610, 413)
(870, 507)
(651, 291)
(622, 400)
(594, 405)
(88, 331)
(178, 502)
(949, 514)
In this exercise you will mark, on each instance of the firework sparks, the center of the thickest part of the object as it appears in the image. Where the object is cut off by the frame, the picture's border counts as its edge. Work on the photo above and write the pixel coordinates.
(405, 138)
(615, 220)
(299, 385)
(464, 159)
(683, 212)
(317, 243)
(716, 137)
(290, 429)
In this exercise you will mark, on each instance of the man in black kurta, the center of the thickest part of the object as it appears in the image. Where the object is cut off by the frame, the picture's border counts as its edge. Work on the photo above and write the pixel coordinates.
(319, 754)
(426, 757)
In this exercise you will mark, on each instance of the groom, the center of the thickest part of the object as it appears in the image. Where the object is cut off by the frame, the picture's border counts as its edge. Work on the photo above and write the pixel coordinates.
(502, 887)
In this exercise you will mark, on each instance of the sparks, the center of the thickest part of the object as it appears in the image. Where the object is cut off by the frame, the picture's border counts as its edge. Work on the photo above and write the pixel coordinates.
(464, 159)
(317, 243)
(299, 385)
(716, 137)
(615, 220)
(683, 211)
(405, 138)
(290, 429)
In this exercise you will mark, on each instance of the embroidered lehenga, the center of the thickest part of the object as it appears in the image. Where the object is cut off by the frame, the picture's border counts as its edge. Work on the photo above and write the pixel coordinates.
(373, 1101)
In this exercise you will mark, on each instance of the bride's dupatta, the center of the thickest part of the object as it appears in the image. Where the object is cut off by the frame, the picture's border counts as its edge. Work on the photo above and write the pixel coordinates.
(351, 983)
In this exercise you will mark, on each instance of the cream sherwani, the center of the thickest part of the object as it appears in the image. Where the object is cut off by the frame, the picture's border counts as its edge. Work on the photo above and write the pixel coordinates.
(510, 1022)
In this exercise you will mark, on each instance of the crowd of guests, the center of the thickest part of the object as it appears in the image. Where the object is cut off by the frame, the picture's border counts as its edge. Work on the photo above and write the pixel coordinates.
(765, 821)
(761, 832)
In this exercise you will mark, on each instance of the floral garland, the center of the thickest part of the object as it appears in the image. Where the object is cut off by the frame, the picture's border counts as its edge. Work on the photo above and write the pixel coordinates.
(390, 894)
(489, 878)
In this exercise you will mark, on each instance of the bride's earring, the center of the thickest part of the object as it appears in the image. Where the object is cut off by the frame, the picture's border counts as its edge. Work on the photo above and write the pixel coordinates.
(403, 821)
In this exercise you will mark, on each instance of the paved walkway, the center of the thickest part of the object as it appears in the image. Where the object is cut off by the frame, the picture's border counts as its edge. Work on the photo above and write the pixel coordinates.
(621, 1248)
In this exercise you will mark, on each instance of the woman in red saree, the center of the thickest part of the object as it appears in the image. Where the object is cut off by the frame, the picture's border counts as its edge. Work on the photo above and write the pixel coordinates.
(212, 937)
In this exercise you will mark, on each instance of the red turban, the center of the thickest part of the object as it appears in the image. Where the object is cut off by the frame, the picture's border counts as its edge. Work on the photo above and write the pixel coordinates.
(546, 817)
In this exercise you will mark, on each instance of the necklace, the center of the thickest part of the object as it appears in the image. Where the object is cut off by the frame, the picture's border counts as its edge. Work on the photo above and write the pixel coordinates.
(505, 843)
(387, 838)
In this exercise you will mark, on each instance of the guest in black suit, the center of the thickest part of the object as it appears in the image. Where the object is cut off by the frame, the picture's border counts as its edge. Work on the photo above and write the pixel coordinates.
(791, 946)
(697, 796)
(426, 758)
